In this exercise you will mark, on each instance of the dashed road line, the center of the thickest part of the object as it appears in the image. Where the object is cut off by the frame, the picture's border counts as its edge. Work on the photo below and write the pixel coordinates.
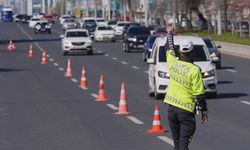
(135, 67)
(56, 64)
(74, 80)
(94, 95)
(135, 120)
(166, 139)
(51, 59)
(47, 55)
(112, 106)
(106, 55)
(99, 51)
(146, 72)
(124, 62)
(245, 102)
(114, 58)
(61, 69)
(231, 70)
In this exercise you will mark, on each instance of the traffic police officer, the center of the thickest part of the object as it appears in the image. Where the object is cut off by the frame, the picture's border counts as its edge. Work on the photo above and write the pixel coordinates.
(185, 92)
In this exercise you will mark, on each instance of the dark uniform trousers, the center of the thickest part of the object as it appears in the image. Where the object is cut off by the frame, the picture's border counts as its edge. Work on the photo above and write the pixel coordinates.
(182, 124)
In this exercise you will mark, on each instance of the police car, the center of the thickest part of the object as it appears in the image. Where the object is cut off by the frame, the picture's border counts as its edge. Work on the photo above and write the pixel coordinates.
(158, 71)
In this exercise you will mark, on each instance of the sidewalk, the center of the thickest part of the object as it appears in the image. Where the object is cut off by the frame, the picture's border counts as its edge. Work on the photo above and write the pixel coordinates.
(234, 49)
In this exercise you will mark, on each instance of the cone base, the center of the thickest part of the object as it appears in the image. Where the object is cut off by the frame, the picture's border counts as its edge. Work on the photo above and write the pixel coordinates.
(43, 63)
(122, 113)
(83, 87)
(156, 131)
(101, 100)
(68, 75)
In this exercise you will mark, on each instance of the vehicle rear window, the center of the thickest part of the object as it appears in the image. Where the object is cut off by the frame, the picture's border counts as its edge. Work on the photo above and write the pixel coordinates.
(112, 23)
(121, 24)
(152, 39)
(105, 28)
(139, 31)
(100, 20)
(199, 53)
(76, 34)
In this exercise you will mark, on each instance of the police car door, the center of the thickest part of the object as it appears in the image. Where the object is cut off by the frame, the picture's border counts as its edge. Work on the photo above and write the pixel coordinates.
(152, 61)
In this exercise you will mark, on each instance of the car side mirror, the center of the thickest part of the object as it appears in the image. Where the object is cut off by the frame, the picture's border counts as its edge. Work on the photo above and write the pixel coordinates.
(214, 59)
(61, 36)
(151, 61)
(218, 46)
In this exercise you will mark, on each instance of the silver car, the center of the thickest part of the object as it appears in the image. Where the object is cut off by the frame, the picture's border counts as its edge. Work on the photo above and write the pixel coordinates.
(69, 24)
(76, 41)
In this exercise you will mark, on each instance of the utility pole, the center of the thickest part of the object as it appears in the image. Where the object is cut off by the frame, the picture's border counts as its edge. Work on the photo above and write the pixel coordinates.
(109, 9)
(146, 12)
(219, 22)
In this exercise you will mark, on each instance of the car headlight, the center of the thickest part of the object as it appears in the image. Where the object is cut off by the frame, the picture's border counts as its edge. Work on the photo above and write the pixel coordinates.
(163, 74)
(67, 43)
(208, 73)
(89, 42)
(213, 54)
(132, 39)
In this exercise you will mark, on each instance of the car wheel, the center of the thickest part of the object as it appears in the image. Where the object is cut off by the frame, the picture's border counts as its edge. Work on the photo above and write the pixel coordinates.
(112, 40)
(125, 47)
(144, 56)
(64, 53)
(211, 95)
(90, 52)
(218, 65)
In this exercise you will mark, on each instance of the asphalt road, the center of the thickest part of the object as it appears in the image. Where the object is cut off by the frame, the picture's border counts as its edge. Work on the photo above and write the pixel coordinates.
(42, 109)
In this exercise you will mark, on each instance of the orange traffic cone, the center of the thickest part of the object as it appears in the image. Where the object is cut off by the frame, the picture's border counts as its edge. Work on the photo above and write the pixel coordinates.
(69, 70)
(84, 83)
(123, 107)
(44, 59)
(11, 46)
(30, 52)
(101, 94)
(157, 127)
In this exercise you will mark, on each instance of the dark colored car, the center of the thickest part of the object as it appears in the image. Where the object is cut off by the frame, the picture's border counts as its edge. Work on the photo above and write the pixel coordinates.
(125, 29)
(90, 26)
(214, 52)
(43, 27)
(148, 47)
(135, 38)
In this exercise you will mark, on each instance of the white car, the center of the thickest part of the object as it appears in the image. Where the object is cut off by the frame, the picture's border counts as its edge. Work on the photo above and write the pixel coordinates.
(33, 22)
(63, 18)
(69, 24)
(100, 22)
(76, 41)
(119, 28)
(88, 20)
(104, 33)
(158, 71)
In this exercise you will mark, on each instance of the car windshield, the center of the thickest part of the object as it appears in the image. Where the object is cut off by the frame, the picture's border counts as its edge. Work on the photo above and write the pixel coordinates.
(161, 30)
(121, 24)
(209, 43)
(105, 28)
(199, 53)
(139, 31)
(69, 20)
(66, 17)
(152, 39)
(35, 19)
(76, 34)
(100, 20)
(112, 23)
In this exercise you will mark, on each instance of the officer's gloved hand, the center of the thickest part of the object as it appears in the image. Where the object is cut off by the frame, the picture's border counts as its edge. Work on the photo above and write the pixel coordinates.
(204, 117)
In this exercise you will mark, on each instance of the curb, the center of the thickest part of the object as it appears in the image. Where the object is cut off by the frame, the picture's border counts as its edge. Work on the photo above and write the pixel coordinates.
(240, 54)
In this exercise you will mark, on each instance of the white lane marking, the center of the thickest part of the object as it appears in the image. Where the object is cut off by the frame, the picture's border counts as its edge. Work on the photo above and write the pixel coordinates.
(40, 48)
(56, 64)
(47, 55)
(24, 32)
(135, 67)
(146, 72)
(231, 70)
(37, 45)
(74, 80)
(51, 59)
(166, 139)
(124, 62)
(112, 106)
(114, 58)
(245, 102)
(61, 69)
(106, 55)
(99, 51)
(135, 120)
(94, 95)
